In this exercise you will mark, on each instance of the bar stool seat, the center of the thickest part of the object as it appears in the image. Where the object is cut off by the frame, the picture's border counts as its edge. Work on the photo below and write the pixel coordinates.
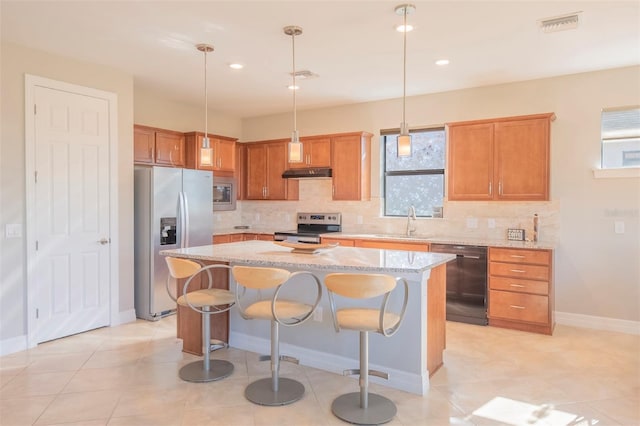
(207, 302)
(279, 311)
(362, 407)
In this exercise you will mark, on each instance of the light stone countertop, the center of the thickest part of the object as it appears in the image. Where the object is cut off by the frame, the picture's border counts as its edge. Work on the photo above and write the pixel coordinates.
(269, 254)
(541, 245)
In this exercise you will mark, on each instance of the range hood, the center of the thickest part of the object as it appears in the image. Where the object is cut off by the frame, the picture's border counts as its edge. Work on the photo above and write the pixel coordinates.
(309, 173)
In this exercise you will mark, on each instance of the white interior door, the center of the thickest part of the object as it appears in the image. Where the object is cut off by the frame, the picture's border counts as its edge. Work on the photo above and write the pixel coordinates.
(71, 274)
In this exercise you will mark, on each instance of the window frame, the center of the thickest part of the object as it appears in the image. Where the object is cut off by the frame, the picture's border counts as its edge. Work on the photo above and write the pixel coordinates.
(384, 135)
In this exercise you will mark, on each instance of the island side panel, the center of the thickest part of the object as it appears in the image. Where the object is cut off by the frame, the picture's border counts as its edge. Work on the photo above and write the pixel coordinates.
(189, 322)
(436, 318)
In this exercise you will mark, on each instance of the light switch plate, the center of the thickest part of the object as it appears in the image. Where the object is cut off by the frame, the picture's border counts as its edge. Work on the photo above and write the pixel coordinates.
(472, 222)
(13, 230)
(619, 227)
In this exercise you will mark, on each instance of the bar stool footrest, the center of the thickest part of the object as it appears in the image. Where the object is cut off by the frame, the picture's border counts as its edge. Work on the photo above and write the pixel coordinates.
(380, 410)
(261, 392)
(354, 371)
(195, 371)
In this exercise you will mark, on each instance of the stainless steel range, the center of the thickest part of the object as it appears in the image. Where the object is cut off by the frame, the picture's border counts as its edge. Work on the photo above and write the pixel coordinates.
(310, 227)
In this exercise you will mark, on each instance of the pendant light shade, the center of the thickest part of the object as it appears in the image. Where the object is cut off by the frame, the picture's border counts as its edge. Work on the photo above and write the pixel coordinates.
(206, 152)
(295, 153)
(404, 139)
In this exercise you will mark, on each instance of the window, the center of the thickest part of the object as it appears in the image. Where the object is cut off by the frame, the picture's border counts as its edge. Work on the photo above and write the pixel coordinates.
(620, 137)
(417, 180)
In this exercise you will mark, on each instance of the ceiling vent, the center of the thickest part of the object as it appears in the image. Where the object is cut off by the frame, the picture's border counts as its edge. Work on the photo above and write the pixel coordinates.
(560, 23)
(304, 74)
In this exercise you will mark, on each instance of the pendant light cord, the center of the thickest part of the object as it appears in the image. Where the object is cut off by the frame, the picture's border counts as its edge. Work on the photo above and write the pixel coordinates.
(206, 112)
(404, 66)
(293, 74)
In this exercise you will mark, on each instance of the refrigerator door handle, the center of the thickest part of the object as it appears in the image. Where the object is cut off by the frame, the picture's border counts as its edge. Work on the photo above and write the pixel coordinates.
(185, 219)
(181, 220)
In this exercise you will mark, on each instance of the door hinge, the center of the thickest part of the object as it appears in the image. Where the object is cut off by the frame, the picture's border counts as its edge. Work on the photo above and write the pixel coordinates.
(35, 109)
(36, 245)
(35, 176)
(37, 313)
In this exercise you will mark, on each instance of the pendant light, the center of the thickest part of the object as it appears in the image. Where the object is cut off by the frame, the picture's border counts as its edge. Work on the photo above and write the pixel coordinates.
(404, 139)
(206, 152)
(295, 147)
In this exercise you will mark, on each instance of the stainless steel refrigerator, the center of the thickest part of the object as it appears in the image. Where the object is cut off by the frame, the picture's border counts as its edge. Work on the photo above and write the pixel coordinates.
(173, 208)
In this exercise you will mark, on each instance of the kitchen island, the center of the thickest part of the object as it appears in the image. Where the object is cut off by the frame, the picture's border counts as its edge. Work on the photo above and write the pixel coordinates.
(410, 357)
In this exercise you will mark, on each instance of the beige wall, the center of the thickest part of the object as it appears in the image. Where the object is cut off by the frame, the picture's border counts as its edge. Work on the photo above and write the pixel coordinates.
(597, 271)
(16, 62)
(152, 109)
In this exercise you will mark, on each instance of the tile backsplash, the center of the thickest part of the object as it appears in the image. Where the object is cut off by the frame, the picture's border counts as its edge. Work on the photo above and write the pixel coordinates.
(472, 219)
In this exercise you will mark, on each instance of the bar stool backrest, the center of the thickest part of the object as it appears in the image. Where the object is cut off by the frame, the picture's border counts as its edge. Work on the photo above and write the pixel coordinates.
(360, 286)
(259, 278)
(182, 268)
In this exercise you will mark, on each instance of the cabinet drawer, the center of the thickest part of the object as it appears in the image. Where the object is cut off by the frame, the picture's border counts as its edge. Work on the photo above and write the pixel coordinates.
(518, 285)
(533, 272)
(537, 257)
(518, 306)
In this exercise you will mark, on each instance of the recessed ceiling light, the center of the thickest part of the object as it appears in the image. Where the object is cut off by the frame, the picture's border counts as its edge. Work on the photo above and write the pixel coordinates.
(400, 28)
(442, 62)
(236, 66)
(290, 87)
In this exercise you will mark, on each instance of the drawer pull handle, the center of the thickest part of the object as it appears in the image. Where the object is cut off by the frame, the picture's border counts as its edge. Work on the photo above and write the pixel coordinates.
(519, 256)
(517, 285)
(518, 270)
(516, 307)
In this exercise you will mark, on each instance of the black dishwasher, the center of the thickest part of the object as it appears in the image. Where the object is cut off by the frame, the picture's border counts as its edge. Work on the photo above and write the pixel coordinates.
(466, 283)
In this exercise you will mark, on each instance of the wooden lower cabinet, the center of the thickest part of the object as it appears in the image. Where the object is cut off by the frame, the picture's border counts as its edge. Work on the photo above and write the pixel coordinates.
(189, 322)
(521, 289)
(392, 245)
(246, 236)
(344, 242)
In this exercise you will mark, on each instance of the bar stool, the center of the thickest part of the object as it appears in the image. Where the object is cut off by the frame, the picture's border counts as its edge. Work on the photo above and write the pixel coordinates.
(275, 390)
(364, 407)
(207, 302)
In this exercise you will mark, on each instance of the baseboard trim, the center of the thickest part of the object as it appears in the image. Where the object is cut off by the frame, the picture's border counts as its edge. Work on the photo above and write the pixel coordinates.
(13, 345)
(598, 323)
(328, 362)
(124, 317)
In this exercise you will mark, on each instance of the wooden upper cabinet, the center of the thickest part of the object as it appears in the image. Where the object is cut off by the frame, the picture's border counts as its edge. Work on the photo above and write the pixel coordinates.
(351, 166)
(316, 152)
(522, 159)
(158, 146)
(470, 169)
(265, 163)
(502, 159)
(241, 173)
(170, 148)
(224, 152)
(144, 141)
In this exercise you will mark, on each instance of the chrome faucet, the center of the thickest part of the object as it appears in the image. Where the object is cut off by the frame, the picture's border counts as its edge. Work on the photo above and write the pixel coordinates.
(411, 218)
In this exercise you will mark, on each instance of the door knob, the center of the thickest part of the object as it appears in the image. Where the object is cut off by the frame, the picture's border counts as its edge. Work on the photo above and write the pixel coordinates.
(103, 241)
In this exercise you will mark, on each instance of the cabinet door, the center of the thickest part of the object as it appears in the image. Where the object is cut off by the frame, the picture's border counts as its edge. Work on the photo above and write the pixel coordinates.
(143, 145)
(522, 159)
(256, 173)
(241, 170)
(470, 168)
(350, 181)
(276, 165)
(316, 152)
(225, 154)
(170, 149)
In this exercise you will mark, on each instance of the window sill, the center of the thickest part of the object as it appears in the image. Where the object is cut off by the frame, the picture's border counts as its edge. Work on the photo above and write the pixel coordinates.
(626, 172)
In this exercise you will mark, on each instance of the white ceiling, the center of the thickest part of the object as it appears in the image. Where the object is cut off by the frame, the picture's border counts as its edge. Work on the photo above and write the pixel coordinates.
(352, 45)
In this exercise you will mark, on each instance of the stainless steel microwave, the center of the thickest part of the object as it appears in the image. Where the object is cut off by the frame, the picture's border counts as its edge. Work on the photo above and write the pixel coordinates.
(224, 193)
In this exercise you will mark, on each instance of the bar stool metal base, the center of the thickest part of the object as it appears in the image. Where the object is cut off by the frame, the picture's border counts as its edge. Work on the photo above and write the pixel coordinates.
(347, 407)
(261, 392)
(195, 371)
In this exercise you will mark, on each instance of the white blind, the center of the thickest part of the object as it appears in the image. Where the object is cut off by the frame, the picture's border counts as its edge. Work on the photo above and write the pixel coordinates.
(620, 123)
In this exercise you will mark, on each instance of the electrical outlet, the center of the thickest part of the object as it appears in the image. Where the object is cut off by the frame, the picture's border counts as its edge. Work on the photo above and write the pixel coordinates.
(619, 227)
(317, 314)
(491, 223)
(472, 222)
(359, 220)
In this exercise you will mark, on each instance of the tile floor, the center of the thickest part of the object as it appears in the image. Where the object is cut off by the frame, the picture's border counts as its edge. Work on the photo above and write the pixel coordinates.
(127, 375)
